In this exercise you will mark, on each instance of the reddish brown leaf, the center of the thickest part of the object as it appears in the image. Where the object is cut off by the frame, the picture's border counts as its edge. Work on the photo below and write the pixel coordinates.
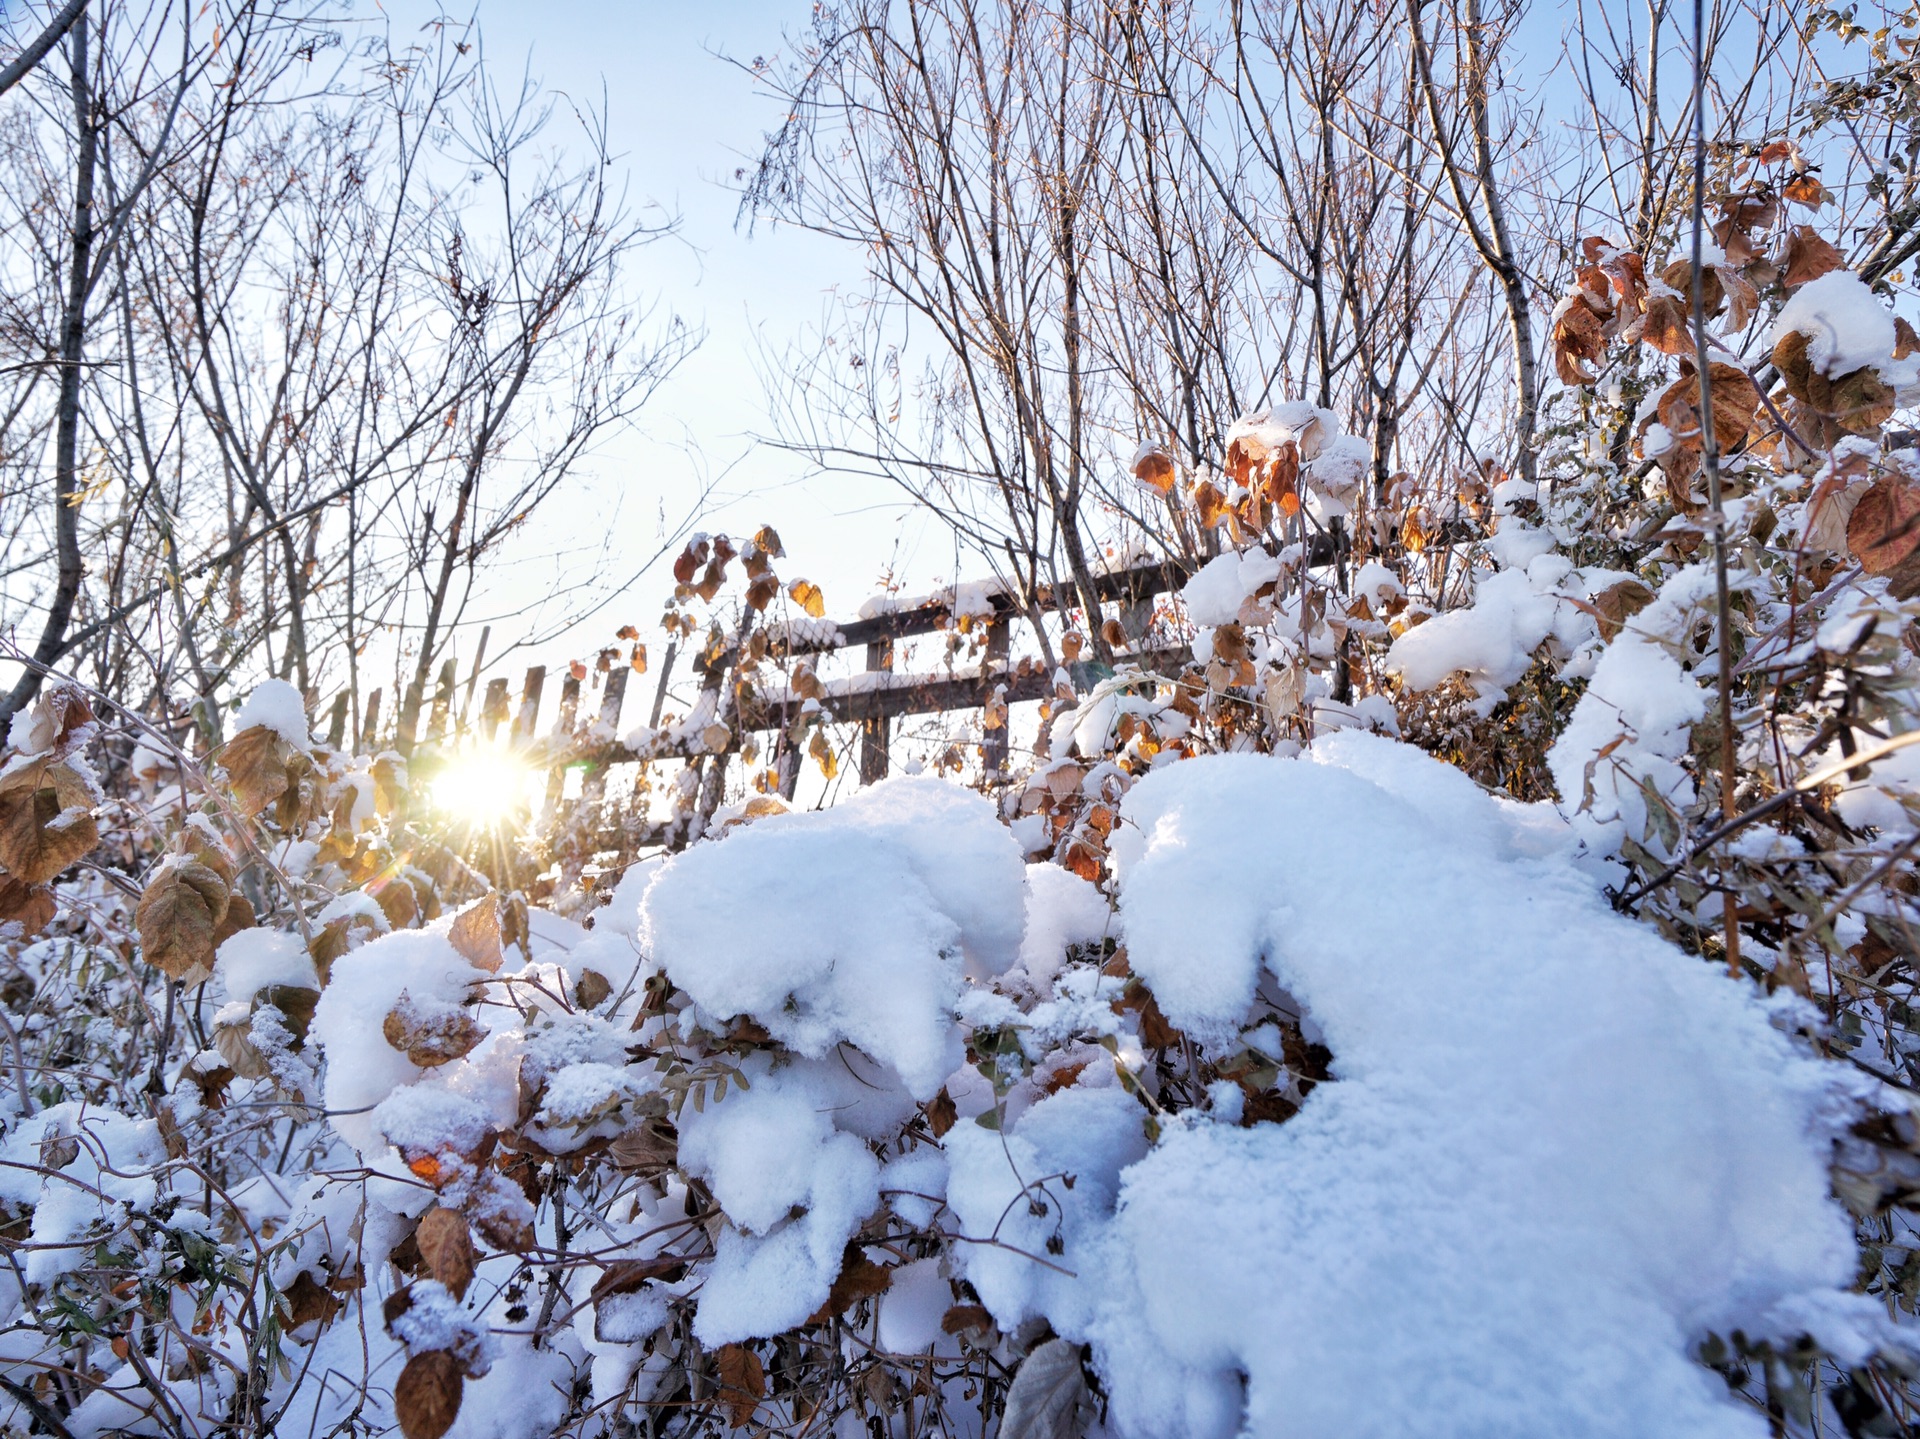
(1669, 325)
(967, 1319)
(426, 1397)
(860, 1278)
(1808, 257)
(743, 1382)
(1884, 533)
(941, 1113)
(1806, 190)
(446, 1245)
(306, 1302)
(626, 1276)
(1153, 467)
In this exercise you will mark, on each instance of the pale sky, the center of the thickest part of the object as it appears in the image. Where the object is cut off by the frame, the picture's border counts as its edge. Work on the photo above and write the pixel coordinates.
(682, 121)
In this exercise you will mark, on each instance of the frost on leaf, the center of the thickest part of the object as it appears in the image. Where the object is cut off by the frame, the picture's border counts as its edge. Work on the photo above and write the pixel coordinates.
(1047, 1394)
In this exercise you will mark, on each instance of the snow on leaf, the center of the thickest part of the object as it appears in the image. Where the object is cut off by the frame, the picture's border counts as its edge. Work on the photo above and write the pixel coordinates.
(807, 595)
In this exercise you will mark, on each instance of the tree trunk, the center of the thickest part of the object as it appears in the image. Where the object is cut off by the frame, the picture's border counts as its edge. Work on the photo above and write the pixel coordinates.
(66, 447)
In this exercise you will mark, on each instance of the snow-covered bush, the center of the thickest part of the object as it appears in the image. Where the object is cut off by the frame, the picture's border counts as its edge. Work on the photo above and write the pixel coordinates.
(1394, 997)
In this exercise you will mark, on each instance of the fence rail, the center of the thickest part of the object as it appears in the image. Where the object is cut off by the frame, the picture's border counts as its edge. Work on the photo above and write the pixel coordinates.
(872, 698)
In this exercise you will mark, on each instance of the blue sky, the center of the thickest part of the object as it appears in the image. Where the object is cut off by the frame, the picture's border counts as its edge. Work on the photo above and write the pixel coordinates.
(682, 121)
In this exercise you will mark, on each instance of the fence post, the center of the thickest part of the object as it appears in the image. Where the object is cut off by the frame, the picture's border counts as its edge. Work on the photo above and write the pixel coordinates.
(563, 732)
(593, 787)
(529, 715)
(372, 727)
(337, 725)
(993, 747)
(494, 708)
(442, 701)
(873, 732)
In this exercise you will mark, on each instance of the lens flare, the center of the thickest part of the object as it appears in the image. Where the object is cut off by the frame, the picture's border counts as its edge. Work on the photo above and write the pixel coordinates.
(483, 786)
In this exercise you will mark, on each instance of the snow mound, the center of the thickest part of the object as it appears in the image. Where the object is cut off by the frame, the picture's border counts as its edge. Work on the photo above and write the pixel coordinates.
(1555, 1153)
(852, 925)
(796, 1189)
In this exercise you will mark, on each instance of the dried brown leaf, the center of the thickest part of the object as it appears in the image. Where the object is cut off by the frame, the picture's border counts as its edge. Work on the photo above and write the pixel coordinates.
(475, 932)
(446, 1244)
(591, 989)
(1884, 533)
(256, 763)
(426, 1397)
(941, 1113)
(306, 1302)
(30, 906)
(743, 1382)
(859, 1278)
(179, 913)
(430, 1037)
(40, 835)
(1154, 469)
(808, 596)
(1808, 257)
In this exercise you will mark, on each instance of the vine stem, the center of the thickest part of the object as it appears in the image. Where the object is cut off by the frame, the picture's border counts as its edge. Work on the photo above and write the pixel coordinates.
(1710, 463)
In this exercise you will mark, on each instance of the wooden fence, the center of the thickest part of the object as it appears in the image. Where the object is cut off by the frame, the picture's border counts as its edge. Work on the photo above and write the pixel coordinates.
(873, 698)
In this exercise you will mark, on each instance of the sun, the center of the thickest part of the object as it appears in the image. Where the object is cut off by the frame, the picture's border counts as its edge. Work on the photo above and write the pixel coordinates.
(483, 786)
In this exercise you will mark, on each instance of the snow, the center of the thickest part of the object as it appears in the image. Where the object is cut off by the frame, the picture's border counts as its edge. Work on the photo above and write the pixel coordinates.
(1632, 728)
(429, 1119)
(1845, 325)
(110, 1171)
(913, 1306)
(1062, 909)
(365, 983)
(1215, 593)
(253, 959)
(854, 924)
(1422, 1239)
(1491, 643)
(796, 1188)
(278, 706)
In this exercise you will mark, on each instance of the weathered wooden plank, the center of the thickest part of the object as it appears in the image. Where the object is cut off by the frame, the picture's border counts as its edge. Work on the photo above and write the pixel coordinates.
(529, 713)
(493, 709)
(873, 729)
